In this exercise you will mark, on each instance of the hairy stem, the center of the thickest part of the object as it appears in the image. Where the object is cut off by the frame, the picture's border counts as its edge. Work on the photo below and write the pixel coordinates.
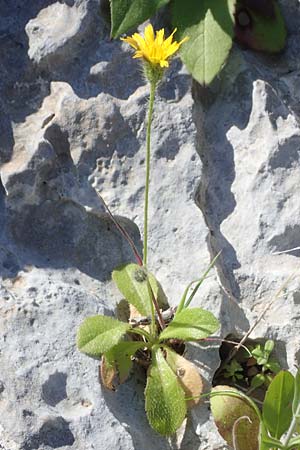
(148, 155)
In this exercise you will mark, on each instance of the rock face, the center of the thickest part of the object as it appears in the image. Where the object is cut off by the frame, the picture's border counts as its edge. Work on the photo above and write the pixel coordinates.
(225, 176)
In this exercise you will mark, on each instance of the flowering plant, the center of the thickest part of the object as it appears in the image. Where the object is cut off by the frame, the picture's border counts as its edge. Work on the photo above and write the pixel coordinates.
(152, 334)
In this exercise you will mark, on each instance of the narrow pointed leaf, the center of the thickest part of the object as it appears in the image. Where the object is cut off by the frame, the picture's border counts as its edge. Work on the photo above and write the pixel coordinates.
(277, 407)
(126, 14)
(98, 334)
(165, 400)
(120, 357)
(209, 25)
(191, 324)
(183, 303)
(131, 280)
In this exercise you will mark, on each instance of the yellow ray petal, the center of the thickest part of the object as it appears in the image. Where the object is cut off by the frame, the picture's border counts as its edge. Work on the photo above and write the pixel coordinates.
(131, 42)
(149, 34)
(169, 40)
(153, 47)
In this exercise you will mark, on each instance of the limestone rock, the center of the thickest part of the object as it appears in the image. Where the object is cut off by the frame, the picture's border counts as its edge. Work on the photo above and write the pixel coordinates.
(59, 29)
(72, 111)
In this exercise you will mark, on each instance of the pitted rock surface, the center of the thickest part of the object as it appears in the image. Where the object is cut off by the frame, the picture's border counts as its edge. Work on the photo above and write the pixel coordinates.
(225, 176)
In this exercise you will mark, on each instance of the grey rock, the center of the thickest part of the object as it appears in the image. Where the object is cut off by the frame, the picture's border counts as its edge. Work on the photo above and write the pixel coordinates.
(59, 29)
(72, 119)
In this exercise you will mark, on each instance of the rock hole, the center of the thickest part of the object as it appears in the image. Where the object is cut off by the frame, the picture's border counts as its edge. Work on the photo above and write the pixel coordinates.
(54, 389)
(54, 433)
(246, 370)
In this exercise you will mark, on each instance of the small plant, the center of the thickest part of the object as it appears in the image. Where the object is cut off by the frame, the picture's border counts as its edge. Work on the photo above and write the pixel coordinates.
(155, 334)
(241, 423)
(211, 26)
(249, 368)
(261, 355)
(233, 370)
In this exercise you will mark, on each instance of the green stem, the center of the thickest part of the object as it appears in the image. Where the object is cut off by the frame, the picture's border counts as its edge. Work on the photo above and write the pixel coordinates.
(141, 332)
(153, 85)
(292, 427)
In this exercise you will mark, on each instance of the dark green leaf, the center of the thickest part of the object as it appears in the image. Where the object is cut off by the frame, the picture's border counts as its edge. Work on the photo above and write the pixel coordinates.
(98, 334)
(165, 400)
(131, 280)
(273, 366)
(277, 407)
(120, 356)
(191, 324)
(209, 26)
(261, 32)
(126, 14)
(258, 380)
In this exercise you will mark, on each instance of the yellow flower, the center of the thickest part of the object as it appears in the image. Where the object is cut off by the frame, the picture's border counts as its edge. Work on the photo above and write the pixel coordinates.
(154, 49)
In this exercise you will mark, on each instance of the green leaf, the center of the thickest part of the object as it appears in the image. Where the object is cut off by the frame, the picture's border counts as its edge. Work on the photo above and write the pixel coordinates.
(277, 407)
(126, 14)
(257, 352)
(294, 443)
(258, 380)
(165, 400)
(131, 280)
(120, 356)
(227, 410)
(209, 26)
(267, 441)
(191, 324)
(269, 346)
(273, 366)
(188, 376)
(296, 399)
(98, 334)
(265, 32)
(183, 303)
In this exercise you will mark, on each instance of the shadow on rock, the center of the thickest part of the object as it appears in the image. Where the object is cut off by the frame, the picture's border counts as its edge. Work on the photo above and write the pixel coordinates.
(128, 405)
(63, 234)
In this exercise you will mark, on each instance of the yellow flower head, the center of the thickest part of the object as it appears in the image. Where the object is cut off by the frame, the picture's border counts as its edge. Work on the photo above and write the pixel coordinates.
(154, 49)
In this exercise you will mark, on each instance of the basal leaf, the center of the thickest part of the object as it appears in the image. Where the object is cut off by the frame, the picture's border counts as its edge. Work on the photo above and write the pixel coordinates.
(120, 356)
(98, 334)
(165, 399)
(191, 324)
(131, 280)
(188, 376)
(126, 14)
(260, 31)
(209, 26)
(227, 410)
(277, 407)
